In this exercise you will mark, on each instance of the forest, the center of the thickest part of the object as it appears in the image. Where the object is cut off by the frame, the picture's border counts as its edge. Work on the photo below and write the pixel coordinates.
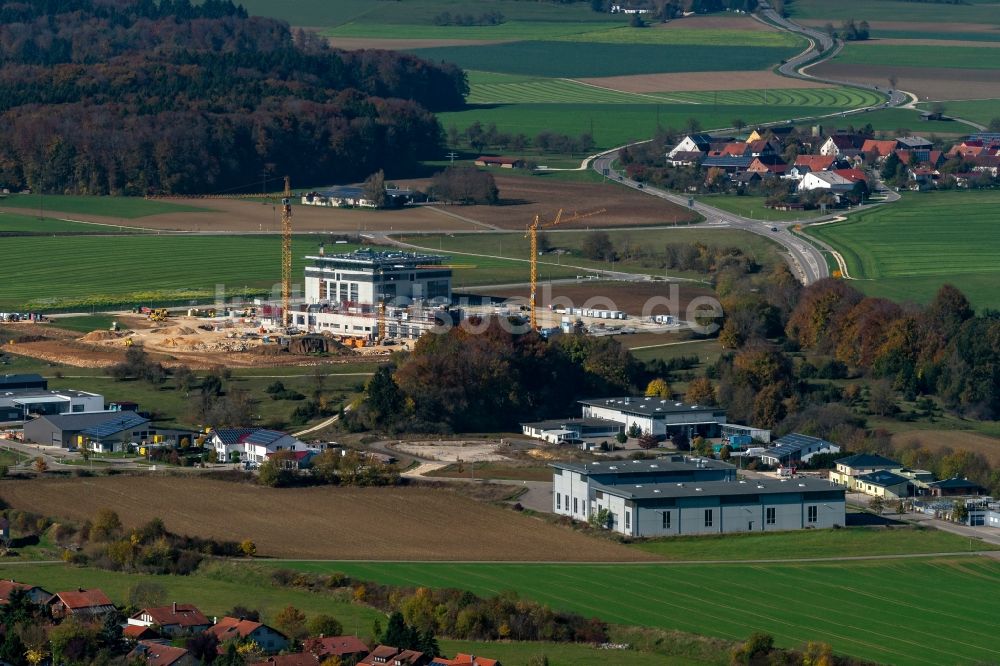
(141, 97)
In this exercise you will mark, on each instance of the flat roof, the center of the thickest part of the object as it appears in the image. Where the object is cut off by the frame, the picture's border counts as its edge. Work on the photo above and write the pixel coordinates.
(717, 488)
(381, 259)
(648, 406)
(657, 465)
(559, 423)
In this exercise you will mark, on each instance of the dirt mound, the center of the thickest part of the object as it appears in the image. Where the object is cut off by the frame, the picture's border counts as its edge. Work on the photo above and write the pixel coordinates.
(99, 336)
(177, 330)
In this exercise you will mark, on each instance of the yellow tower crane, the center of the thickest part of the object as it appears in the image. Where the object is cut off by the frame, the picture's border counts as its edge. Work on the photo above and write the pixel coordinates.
(286, 254)
(533, 236)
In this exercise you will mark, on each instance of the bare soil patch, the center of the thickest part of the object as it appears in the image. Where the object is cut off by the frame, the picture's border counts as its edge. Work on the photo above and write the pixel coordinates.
(697, 81)
(360, 43)
(453, 450)
(523, 197)
(629, 297)
(958, 440)
(404, 523)
(254, 216)
(927, 82)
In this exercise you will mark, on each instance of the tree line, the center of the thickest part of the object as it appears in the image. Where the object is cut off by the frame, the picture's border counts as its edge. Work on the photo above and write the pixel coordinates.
(478, 137)
(142, 97)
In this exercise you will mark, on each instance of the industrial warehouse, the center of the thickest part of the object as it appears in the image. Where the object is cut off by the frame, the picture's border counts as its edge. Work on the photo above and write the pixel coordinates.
(682, 495)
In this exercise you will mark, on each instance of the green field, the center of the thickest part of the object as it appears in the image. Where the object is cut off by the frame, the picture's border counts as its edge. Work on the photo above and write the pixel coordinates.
(614, 126)
(579, 59)
(517, 653)
(891, 120)
(910, 248)
(850, 542)
(977, 110)
(969, 11)
(64, 272)
(753, 207)
(688, 34)
(494, 88)
(921, 34)
(952, 57)
(507, 31)
(857, 607)
(23, 223)
(128, 208)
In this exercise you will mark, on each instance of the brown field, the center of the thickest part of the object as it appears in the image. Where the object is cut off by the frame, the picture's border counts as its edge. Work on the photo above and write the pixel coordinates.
(628, 297)
(958, 440)
(523, 197)
(254, 216)
(926, 82)
(322, 522)
(696, 81)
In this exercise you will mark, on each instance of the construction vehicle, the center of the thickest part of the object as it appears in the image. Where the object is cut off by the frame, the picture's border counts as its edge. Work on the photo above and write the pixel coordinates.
(532, 234)
(286, 254)
(158, 314)
(114, 327)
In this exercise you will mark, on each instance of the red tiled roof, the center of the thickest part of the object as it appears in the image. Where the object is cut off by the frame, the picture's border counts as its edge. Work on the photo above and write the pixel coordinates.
(233, 627)
(815, 162)
(498, 160)
(387, 653)
(8, 586)
(734, 149)
(851, 174)
(881, 147)
(462, 659)
(138, 632)
(184, 615)
(335, 645)
(158, 654)
(80, 599)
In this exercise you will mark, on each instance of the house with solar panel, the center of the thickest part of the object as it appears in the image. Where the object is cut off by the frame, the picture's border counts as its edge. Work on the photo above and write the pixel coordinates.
(795, 449)
(253, 445)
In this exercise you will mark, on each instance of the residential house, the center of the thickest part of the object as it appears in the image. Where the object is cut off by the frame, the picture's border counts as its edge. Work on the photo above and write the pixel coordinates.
(778, 133)
(882, 483)
(922, 178)
(842, 145)
(393, 656)
(685, 158)
(795, 448)
(808, 163)
(931, 158)
(766, 165)
(135, 633)
(173, 620)
(501, 162)
(986, 164)
(954, 486)
(226, 441)
(261, 444)
(36, 594)
(294, 659)
(345, 648)
(155, 653)
(234, 628)
(761, 148)
(847, 469)
(879, 149)
(692, 143)
(80, 603)
(462, 659)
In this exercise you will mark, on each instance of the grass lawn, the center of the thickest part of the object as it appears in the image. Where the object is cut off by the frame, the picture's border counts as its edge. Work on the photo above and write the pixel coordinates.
(84, 271)
(942, 35)
(977, 110)
(124, 207)
(707, 351)
(85, 323)
(214, 594)
(891, 120)
(848, 542)
(854, 606)
(580, 59)
(753, 207)
(892, 10)
(953, 57)
(912, 247)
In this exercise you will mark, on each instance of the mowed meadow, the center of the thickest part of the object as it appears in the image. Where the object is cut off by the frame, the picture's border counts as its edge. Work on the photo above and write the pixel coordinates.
(913, 611)
(908, 249)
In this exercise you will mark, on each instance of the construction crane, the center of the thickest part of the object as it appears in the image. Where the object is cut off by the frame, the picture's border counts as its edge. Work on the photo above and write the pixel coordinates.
(286, 254)
(532, 234)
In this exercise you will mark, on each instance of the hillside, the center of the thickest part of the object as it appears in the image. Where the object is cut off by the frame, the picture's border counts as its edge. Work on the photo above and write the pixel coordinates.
(140, 97)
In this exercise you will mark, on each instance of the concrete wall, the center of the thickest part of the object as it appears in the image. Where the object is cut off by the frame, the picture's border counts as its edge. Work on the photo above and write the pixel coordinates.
(568, 486)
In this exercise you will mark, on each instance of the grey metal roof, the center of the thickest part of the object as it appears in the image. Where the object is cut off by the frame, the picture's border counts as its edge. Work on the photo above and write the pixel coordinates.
(781, 451)
(20, 380)
(882, 478)
(648, 406)
(867, 460)
(658, 465)
(557, 423)
(717, 488)
(793, 443)
(954, 482)
(79, 421)
(123, 421)
(264, 437)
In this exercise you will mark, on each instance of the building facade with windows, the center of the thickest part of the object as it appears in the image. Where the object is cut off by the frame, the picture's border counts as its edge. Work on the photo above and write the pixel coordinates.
(369, 277)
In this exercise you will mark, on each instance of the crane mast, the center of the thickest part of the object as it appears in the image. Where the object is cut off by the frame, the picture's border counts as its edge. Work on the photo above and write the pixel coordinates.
(286, 254)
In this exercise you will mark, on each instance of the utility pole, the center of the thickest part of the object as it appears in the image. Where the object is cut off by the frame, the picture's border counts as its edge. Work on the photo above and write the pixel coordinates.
(452, 155)
(286, 254)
